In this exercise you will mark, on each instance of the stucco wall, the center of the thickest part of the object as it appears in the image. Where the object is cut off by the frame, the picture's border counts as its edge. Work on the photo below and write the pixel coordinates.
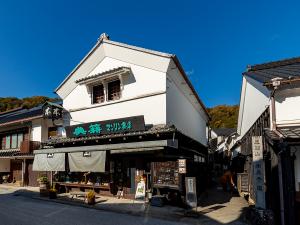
(141, 82)
(153, 108)
(39, 130)
(254, 101)
(288, 107)
(183, 111)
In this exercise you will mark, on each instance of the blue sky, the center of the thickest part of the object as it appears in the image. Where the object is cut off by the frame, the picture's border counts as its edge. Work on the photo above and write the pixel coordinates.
(41, 42)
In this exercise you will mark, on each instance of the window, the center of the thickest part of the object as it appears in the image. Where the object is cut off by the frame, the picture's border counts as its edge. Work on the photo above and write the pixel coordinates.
(98, 94)
(14, 141)
(20, 139)
(7, 142)
(114, 90)
(11, 141)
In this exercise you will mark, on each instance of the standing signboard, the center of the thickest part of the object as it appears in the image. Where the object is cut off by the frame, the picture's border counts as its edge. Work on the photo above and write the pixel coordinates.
(258, 172)
(140, 190)
(191, 194)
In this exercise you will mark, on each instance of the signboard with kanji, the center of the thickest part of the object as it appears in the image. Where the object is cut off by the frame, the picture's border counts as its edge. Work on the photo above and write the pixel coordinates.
(181, 165)
(258, 171)
(52, 111)
(191, 195)
(122, 125)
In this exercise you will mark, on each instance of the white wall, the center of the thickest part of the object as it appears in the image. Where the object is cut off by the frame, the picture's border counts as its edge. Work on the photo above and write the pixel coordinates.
(4, 165)
(288, 106)
(153, 108)
(36, 131)
(254, 101)
(39, 130)
(183, 110)
(144, 93)
(141, 82)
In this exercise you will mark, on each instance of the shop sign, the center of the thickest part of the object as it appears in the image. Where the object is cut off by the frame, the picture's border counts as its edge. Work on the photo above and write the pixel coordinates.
(122, 125)
(52, 111)
(191, 194)
(258, 171)
(182, 166)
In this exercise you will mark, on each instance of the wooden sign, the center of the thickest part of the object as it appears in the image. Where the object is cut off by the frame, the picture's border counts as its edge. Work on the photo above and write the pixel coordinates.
(52, 111)
(191, 194)
(182, 166)
(122, 125)
(258, 171)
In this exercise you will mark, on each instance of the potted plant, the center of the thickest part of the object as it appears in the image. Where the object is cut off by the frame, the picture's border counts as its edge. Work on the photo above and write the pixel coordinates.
(91, 197)
(44, 185)
(52, 193)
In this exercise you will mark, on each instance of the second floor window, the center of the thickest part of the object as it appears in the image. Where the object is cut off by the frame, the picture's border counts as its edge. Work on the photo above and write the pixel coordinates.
(12, 141)
(98, 94)
(113, 90)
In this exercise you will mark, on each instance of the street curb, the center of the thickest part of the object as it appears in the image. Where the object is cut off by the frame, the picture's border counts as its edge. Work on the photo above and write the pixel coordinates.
(174, 217)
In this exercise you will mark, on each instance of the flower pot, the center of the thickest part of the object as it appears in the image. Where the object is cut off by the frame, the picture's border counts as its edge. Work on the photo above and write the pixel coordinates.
(91, 201)
(52, 195)
(44, 189)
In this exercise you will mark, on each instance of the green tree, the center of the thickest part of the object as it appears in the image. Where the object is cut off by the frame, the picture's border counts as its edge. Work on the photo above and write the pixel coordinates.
(224, 116)
(10, 103)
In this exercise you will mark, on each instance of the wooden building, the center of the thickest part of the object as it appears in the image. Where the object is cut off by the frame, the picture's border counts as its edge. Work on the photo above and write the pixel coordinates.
(21, 132)
(269, 124)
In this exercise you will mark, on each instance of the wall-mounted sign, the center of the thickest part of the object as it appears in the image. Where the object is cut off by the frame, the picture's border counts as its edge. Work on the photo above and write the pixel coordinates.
(52, 111)
(122, 125)
(181, 165)
(258, 171)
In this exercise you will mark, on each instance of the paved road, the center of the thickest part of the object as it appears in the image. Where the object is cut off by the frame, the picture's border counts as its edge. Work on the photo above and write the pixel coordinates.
(20, 210)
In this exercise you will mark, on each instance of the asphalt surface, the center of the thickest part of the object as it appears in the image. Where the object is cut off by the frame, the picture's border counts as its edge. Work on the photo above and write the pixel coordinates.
(19, 210)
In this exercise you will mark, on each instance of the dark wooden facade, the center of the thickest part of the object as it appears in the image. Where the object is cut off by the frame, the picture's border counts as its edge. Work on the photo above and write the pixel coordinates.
(124, 169)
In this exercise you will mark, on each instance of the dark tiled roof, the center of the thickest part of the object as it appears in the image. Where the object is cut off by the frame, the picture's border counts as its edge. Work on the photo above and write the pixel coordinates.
(8, 153)
(118, 69)
(286, 69)
(286, 132)
(224, 131)
(158, 129)
(213, 144)
(20, 114)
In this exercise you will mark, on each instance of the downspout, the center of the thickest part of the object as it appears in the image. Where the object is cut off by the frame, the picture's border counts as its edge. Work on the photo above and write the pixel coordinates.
(275, 84)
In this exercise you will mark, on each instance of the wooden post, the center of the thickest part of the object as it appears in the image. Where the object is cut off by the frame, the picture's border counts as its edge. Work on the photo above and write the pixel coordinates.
(286, 185)
(23, 171)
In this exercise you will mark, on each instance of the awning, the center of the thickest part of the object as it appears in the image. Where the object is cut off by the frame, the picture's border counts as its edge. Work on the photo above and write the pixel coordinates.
(92, 158)
(49, 162)
(87, 161)
(122, 147)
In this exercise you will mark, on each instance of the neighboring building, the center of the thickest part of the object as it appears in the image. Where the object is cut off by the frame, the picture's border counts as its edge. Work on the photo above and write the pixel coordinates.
(270, 109)
(137, 112)
(221, 143)
(21, 131)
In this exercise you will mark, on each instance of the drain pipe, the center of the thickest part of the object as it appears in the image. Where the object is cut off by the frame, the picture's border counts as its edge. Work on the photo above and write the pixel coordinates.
(276, 82)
